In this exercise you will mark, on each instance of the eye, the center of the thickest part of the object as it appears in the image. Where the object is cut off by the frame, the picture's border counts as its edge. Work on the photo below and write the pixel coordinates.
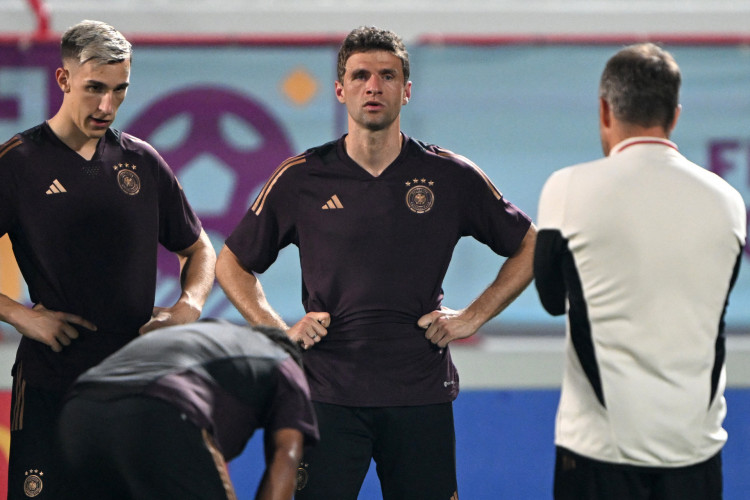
(389, 75)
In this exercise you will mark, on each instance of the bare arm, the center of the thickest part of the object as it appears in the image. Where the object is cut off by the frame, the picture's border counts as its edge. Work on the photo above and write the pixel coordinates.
(445, 325)
(283, 454)
(246, 293)
(197, 265)
(53, 328)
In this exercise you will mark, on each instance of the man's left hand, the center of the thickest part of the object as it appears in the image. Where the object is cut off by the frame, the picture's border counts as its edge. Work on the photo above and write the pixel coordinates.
(446, 325)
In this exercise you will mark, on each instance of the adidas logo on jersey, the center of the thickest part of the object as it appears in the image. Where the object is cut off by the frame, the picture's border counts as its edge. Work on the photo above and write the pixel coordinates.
(333, 204)
(56, 188)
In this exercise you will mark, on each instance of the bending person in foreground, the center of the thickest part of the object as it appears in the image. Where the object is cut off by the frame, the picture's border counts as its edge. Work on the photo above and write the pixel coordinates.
(159, 419)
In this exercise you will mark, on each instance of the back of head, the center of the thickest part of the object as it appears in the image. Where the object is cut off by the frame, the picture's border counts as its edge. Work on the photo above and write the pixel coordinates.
(95, 41)
(281, 339)
(367, 38)
(641, 84)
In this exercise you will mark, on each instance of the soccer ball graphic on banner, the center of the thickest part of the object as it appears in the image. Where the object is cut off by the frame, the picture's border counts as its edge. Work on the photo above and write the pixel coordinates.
(221, 145)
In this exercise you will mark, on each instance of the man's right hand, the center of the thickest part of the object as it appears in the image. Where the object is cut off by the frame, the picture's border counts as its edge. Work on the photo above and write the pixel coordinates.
(53, 328)
(310, 329)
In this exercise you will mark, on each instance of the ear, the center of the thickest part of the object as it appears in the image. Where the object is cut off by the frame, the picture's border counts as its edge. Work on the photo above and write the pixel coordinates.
(339, 89)
(677, 112)
(62, 76)
(407, 93)
(605, 114)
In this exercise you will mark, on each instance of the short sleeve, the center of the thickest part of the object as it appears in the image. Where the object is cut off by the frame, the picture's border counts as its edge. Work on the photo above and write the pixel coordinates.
(7, 191)
(268, 226)
(552, 200)
(492, 219)
(551, 247)
(179, 226)
(291, 407)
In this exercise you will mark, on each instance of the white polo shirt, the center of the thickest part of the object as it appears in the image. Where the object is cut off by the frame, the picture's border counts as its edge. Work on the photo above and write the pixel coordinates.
(640, 249)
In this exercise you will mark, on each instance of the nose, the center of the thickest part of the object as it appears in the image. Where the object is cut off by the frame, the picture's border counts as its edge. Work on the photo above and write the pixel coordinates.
(106, 104)
(373, 85)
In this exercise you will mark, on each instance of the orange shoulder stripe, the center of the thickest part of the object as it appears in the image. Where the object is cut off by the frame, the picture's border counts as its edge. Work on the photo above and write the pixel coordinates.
(496, 192)
(261, 199)
(14, 142)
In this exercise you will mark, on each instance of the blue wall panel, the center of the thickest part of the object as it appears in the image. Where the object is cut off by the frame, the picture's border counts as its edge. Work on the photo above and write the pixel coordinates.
(504, 448)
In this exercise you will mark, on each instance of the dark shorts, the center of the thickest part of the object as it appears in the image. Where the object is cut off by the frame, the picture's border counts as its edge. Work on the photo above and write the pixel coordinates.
(414, 448)
(34, 466)
(581, 478)
(139, 448)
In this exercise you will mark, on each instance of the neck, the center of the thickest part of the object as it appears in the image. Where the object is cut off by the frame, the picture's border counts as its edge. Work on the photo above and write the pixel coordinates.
(629, 131)
(622, 131)
(72, 137)
(374, 151)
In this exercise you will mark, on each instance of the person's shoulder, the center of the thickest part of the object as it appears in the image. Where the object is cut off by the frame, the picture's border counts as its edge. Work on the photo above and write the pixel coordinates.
(426, 148)
(303, 164)
(129, 142)
(324, 156)
(21, 143)
(717, 184)
(581, 168)
(451, 165)
(10, 148)
(322, 151)
(580, 172)
(445, 157)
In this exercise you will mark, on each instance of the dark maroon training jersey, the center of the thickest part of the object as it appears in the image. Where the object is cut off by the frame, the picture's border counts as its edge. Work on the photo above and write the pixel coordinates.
(227, 379)
(85, 236)
(374, 252)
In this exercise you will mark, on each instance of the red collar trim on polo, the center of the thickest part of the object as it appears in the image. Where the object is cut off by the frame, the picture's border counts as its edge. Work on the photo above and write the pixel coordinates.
(619, 148)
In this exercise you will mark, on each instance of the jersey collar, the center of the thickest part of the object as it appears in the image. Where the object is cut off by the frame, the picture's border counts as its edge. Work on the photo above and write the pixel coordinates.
(636, 141)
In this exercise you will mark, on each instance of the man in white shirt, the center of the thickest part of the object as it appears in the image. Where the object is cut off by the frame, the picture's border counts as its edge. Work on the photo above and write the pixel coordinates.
(641, 249)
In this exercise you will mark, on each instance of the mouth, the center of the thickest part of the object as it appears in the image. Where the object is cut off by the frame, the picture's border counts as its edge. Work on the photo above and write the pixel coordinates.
(99, 122)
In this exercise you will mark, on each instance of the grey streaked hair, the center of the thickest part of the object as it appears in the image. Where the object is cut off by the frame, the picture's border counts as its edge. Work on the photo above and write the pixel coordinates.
(95, 41)
(641, 83)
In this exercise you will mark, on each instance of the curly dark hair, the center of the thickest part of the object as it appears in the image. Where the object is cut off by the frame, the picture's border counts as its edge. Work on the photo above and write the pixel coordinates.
(367, 38)
(282, 340)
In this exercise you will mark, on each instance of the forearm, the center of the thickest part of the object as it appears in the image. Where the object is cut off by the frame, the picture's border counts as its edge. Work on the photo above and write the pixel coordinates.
(245, 292)
(12, 312)
(53, 328)
(445, 325)
(280, 479)
(514, 276)
(197, 271)
(283, 451)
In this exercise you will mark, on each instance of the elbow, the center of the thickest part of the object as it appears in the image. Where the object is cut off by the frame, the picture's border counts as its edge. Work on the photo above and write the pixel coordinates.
(227, 266)
(554, 308)
(208, 249)
(222, 265)
(552, 294)
(290, 456)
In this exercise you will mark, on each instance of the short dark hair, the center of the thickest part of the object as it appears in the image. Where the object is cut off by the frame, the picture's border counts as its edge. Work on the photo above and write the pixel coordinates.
(367, 38)
(641, 84)
(95, 41)
(280, 338)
